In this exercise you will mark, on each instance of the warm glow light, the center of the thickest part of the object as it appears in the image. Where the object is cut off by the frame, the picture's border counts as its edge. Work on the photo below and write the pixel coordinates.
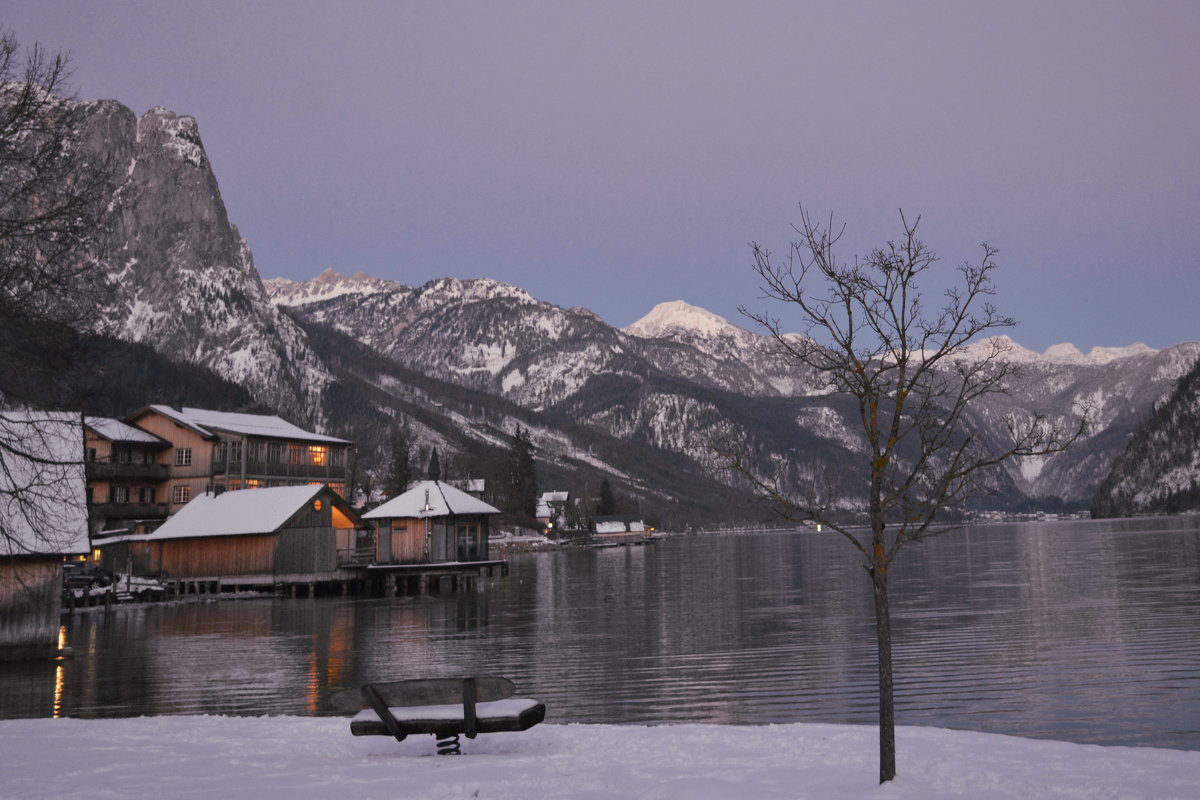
(316, 505)
(60, 674)
(318, 455)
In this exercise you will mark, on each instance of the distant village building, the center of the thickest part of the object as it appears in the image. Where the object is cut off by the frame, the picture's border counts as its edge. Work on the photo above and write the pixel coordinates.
(43, 518)
(551, 509)
(282, 536)
(432, 523)
(226, 451)
(619, 523)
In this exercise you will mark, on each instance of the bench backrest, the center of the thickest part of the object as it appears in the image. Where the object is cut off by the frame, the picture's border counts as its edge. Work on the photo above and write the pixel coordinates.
(442, 691)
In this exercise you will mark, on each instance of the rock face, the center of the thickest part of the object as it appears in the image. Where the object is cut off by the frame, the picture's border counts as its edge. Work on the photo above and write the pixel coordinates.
(181, 277)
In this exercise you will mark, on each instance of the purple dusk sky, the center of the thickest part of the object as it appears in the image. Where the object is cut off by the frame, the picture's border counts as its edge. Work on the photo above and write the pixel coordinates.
(615, 155)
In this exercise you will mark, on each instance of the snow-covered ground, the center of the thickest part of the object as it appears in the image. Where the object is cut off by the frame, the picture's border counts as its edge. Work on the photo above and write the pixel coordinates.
(309, 757)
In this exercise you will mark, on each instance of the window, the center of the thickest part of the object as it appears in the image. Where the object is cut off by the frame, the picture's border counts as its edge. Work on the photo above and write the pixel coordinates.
(91, 454)
(318, 455)
(235, 451)
(118, 494)
(146, 494)
(254, 451)
(253, 483)
(183, 458)
(297, 453)
(337, 456)
(275, 452)
(181, 493)
(221, 452)
(234, 485)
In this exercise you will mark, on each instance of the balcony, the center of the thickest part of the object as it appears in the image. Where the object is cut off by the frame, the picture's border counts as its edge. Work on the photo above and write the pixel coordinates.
(130, 510)
(126, 471)
(267, 469)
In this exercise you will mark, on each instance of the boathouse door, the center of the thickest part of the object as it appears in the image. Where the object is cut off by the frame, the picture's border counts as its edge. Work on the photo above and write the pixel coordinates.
(441, 540)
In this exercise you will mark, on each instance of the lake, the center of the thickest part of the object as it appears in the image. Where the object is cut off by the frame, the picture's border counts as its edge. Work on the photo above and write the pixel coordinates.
(1084, 631)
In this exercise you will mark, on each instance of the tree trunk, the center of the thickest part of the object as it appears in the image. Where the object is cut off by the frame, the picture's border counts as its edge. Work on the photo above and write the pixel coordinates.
(887, 697)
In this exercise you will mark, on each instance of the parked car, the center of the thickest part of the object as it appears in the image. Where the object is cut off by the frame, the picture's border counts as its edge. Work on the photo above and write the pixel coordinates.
(86, 575)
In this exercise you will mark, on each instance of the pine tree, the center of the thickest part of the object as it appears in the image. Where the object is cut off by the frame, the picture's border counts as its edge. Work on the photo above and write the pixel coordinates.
(606, 503)
(522, 473)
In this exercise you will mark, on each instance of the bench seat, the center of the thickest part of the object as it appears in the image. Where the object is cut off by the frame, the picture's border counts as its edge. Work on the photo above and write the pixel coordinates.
(494, 716)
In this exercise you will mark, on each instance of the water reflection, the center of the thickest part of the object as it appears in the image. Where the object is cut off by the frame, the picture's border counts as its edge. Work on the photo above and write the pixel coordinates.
(1087, 632)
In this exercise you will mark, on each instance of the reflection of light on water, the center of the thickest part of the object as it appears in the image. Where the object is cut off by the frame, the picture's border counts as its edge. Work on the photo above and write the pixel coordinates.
(312, 695)
(60, 677)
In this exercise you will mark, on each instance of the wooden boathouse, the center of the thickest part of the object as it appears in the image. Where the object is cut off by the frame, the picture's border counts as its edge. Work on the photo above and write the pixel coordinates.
(289, 538)
(43, 519)
(432, 531)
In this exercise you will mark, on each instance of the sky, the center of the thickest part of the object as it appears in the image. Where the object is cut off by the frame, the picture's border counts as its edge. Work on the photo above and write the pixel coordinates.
(614, 155)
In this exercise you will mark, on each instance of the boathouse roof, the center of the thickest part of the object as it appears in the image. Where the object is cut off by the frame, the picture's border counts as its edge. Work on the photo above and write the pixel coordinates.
(431, 499)
(245, 511)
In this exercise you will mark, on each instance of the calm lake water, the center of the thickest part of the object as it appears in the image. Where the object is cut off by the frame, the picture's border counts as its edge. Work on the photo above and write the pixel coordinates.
(1087, 632)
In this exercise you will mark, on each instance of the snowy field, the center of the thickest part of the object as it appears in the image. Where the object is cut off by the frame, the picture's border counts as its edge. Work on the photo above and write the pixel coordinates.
(309, 757)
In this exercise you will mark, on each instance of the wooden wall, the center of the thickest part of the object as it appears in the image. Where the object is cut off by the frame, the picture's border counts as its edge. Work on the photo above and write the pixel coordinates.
(30, 604)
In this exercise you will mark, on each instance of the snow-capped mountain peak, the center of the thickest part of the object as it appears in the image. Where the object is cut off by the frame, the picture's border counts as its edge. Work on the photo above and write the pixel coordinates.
(327, 285)
(678, 316)
(1067, 353)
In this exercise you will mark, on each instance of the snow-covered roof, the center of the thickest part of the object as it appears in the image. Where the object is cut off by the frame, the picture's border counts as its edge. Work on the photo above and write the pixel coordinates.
(553, 497)
(43, 500)
(205, 422)
(236, 513)
(431, 499)
(114, 430)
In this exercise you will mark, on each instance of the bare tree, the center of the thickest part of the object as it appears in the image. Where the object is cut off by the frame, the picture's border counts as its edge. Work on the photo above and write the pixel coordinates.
(53, 196)
(871, 338)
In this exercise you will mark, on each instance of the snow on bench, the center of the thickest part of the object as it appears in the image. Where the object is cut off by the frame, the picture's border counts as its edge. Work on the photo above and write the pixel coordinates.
(443, 707)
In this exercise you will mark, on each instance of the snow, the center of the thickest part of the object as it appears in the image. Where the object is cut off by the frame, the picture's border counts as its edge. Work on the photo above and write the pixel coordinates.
(678, 315)
(490, 710)
(116, 431)
(202, 420)
(431, 499)
(316, 757)
(236, 513)
(43, 506)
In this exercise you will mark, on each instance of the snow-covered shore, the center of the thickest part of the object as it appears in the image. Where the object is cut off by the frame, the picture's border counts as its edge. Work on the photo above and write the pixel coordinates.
(311, 757)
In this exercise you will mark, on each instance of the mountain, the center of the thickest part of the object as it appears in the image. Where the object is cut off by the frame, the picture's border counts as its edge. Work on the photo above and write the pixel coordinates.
(180, 275)
(466, 360)
(1158, 471)
(681, 374)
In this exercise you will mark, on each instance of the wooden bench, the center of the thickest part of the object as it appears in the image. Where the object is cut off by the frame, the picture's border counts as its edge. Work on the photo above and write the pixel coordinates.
(444, 707)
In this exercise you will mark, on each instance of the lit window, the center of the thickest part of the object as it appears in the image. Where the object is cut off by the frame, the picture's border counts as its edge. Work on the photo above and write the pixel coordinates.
(318, 455)
(181, 493)
(253, 483)
(183, 457)
(317, 505)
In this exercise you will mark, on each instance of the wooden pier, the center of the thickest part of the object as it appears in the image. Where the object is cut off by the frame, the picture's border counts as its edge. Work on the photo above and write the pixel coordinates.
(388, 580)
